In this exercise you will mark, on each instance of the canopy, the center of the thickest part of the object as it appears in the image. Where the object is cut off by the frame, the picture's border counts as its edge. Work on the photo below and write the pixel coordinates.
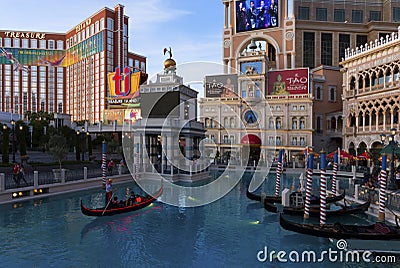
(250, 139)
(343, 154)
(388, 150)
(309, 150)
(363, 156)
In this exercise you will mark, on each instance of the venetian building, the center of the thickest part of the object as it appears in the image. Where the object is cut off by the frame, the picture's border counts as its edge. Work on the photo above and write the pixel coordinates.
(371, 93)
(290, 35)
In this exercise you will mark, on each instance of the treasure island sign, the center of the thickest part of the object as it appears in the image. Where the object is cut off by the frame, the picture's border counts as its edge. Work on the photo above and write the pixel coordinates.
(32, 35)
(123, 87)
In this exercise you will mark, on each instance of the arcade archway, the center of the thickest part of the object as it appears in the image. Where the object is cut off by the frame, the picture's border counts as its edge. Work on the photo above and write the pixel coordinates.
(251, 149)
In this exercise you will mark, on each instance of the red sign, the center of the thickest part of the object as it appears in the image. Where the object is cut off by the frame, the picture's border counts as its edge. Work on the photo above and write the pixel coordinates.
(287, 82)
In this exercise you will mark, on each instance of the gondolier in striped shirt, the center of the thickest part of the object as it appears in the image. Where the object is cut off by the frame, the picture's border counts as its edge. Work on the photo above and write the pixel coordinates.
(108, 191)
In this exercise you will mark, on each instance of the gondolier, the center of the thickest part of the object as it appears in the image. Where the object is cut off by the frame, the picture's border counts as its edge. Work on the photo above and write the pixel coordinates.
(108, 191)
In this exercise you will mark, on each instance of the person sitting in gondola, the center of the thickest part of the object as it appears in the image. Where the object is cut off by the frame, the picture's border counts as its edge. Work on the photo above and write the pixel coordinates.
(115, 202)
(132, 199)
(138, 199)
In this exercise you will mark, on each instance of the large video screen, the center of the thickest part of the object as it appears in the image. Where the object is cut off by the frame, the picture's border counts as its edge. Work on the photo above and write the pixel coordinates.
(256, 14)
(160, 105)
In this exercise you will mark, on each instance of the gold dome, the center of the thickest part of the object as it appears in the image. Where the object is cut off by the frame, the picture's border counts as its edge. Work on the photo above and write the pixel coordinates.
(169, 63)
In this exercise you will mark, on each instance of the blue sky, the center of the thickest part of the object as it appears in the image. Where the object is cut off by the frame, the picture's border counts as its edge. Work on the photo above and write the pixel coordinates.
(192, 28)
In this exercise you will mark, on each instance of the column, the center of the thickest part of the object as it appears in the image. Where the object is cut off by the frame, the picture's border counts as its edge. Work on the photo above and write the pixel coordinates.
(189, 149)
(2, 182)
(169, 152)
(163, 153)
(377, 121)
(391, 119)
(144, 152)
(226, 15)
(384, 121)
(370, 122)
(363, 122)
(356, 126)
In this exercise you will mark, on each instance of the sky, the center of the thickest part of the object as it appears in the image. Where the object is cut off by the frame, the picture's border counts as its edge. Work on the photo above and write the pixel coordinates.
(193, 29)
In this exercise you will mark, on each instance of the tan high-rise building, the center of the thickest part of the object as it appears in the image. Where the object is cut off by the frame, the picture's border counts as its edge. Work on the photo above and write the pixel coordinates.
(290, 35)
(65, 72)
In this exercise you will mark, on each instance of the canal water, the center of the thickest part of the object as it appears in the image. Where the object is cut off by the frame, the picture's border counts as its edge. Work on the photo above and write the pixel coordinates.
(230, 232)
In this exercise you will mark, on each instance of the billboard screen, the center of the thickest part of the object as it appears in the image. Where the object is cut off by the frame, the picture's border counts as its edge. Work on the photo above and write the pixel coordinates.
(285, 82)
(122, 115)
(123, 86)
(221, 86)
(52, 58)
(256, 14)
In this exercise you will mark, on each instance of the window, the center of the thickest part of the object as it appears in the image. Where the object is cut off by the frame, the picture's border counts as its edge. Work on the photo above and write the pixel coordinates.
(396, 14)
(356, 16)
(42, 44)
(278, 123)
(294, 108)
(304, 13)
(326, 49)
(332, 93)
(271, 123)
(319, 124)
(344, 43)
(308, 50)
(51, 44)
(302, 123)
(375, 16)
(271, 140)
(232, 120)
(16, 42)
(232, 138)
(361, 40)
(25, 43)
(60, 45)
(294, 141)
(110, 24)
(294, 123)
(339, 15)
(321, 14)
(278, 140)
(302, 107)
(278, 108)
(318, 92)
(7, 42)
(302, 142)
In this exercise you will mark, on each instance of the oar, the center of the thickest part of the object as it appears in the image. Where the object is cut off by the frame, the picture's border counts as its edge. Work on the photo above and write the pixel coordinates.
(108, 203)
(396, 217)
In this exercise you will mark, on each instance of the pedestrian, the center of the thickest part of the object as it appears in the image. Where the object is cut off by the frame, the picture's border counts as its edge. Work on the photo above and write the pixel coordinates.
(16, 177)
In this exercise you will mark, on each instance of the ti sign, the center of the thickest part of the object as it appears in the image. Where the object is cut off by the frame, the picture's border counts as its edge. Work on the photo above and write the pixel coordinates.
(124, 87)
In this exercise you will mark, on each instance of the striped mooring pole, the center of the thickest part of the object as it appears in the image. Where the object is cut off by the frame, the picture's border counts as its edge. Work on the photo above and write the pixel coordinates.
(103, 162)
(382, 189)
(334, 173)
(309, 185)
(322, 209)
(278, 173)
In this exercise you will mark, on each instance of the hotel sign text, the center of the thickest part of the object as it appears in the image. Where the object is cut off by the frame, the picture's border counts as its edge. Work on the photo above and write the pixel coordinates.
(24, 35)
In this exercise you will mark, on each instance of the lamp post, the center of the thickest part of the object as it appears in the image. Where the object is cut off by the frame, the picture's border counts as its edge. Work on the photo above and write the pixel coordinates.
(84, 135)
(13, 139)
(391, 147)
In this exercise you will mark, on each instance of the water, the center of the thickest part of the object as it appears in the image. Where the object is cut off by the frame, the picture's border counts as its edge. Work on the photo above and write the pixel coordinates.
(52, 232)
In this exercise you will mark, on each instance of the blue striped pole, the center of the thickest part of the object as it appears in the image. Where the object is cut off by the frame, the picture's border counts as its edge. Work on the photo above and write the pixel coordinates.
(334, 173)
(309, 185)
(382, 189)
(278, 173)
(322, 209)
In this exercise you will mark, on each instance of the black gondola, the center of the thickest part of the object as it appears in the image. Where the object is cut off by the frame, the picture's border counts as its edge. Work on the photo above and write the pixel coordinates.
(314, 210)
(123, 209)
(278, 199)
(377, 231)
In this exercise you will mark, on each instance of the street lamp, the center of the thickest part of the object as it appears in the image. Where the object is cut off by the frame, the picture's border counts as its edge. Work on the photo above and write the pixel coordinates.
(13, 139)
(391, 147)
(83, 132)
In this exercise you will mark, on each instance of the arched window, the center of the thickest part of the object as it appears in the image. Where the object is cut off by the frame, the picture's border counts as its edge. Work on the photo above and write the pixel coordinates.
(278, 123)
(271, 123)
(294, 123)
(302, 123)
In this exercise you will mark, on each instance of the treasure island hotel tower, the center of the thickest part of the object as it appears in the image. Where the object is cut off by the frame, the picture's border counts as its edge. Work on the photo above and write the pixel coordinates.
(297, 42)
(65, 72)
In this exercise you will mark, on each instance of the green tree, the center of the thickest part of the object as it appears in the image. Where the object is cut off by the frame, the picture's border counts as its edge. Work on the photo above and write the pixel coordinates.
(58, 148)
(5, 146)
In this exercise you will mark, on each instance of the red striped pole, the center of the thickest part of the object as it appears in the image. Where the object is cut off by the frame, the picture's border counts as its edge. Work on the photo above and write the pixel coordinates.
(137, 162)
(309, 186)
(334, 173)
(103, 162)
(278, 174)
(322, 209)
(382, 190)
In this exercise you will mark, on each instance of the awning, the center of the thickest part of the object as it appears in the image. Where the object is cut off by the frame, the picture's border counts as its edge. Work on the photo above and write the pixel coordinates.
(250, 139)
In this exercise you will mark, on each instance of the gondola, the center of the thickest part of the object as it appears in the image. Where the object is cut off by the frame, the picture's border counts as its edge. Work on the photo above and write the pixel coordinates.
(377, 231)
(314, 210)
(118, 210)
(278, 199)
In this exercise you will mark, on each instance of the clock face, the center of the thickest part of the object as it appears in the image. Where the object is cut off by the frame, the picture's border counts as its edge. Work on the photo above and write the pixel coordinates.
(250, 117)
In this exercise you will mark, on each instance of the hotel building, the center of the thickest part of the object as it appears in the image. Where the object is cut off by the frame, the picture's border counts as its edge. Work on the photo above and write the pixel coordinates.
(371, 93)
(288, 36)
(65, 72)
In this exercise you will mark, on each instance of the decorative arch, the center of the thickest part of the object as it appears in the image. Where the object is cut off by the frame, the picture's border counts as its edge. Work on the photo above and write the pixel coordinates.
(268, 39)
